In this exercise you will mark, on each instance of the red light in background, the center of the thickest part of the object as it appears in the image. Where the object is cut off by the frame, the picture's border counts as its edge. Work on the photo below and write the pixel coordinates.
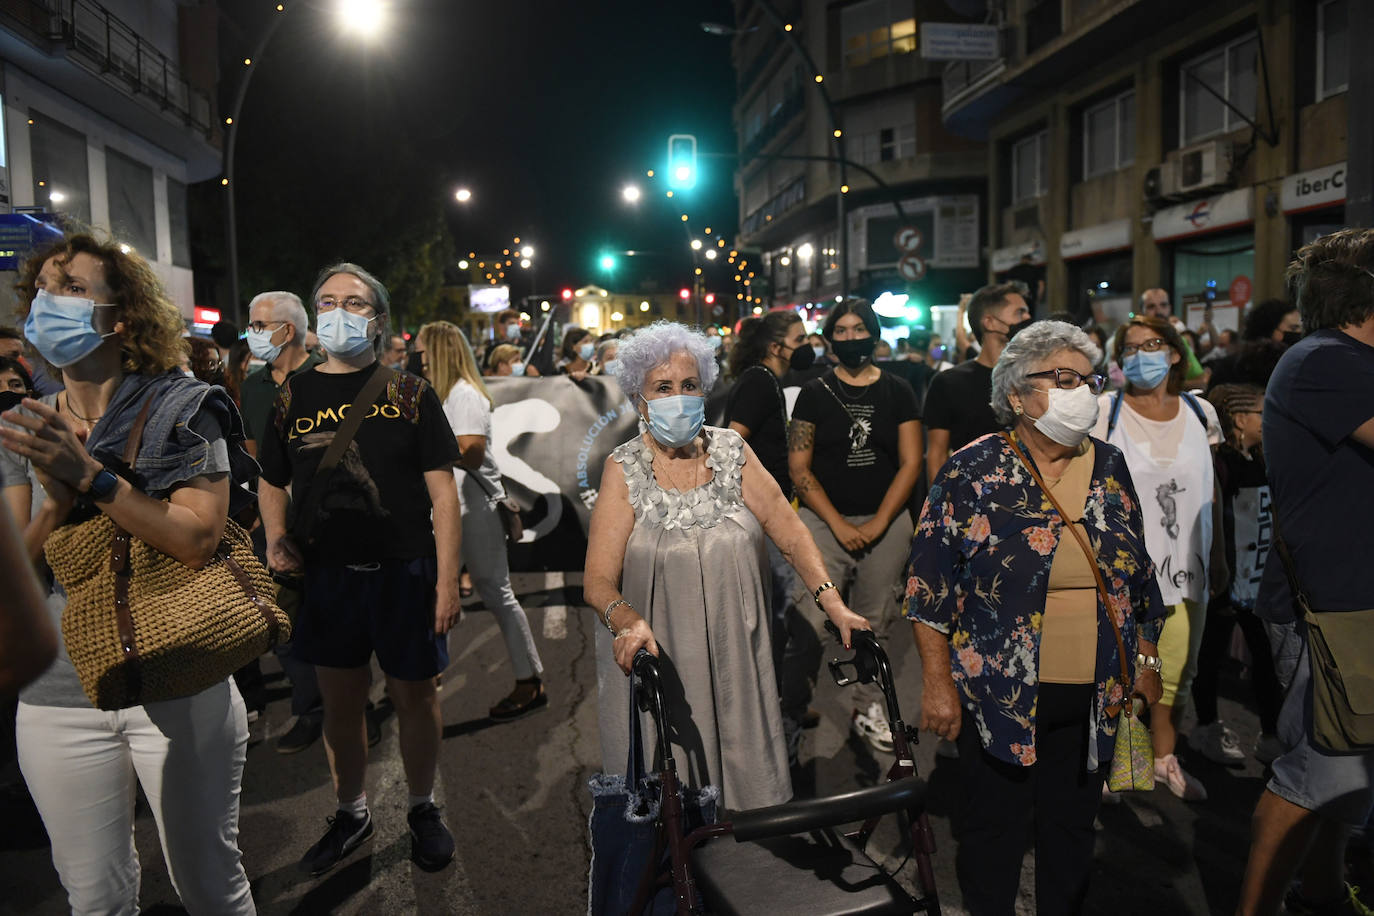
(710, 298)
(567, 294)
(684, 294)
(203, 315)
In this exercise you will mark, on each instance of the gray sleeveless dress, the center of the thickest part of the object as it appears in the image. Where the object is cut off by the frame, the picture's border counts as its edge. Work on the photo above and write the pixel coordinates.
(696, 568)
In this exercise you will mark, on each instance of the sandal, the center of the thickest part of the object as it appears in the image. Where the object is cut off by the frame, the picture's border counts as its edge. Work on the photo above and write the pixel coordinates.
(528, 696)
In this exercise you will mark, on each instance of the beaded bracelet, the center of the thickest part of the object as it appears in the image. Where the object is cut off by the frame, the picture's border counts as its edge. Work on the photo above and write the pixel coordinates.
(606, 614)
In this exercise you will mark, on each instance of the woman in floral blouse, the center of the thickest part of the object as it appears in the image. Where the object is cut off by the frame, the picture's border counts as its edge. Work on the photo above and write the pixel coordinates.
(1021, 665)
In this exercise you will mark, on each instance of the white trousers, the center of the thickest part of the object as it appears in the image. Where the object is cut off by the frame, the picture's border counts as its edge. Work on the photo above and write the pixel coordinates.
(187, 754)
(484, 554)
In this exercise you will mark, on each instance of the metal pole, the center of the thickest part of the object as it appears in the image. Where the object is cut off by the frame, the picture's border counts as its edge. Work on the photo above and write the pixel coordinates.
(231, 140)
(1359, 177)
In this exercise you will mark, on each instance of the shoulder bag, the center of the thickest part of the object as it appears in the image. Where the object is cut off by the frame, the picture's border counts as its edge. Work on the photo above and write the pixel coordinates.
(1338, 644)
(508, 510)
(1133, 757)
(141, 626)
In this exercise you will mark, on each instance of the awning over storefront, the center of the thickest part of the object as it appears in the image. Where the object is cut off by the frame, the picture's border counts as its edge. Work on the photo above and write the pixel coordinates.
(1007, 258)
(1314, 190)
(1201, 217)
(1099, 239)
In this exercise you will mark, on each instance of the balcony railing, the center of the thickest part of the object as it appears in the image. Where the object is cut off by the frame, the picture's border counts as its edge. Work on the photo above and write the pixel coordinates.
(104, 44)
(789, 109)
(966, 78)
(789, 197)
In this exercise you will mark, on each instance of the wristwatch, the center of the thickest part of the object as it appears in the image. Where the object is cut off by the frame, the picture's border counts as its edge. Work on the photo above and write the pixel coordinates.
(1150, 663)
(102, 485)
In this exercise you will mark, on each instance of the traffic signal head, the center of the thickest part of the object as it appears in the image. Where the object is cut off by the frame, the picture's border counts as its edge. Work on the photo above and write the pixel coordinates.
(684, 294)
(567, 294)
(710, 298)
(682, 161)
(607, 262)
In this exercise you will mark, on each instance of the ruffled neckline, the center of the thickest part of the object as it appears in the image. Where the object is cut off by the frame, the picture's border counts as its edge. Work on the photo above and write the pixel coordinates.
(704, 506)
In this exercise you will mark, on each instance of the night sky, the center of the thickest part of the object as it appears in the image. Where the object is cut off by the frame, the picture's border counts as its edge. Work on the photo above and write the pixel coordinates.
(544, 109)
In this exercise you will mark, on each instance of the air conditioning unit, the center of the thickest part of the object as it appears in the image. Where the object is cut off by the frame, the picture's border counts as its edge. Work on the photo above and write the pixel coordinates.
(1204, 167)
(1161, 182)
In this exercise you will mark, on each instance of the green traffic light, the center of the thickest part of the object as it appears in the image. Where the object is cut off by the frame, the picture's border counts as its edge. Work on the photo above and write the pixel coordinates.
(607, 262)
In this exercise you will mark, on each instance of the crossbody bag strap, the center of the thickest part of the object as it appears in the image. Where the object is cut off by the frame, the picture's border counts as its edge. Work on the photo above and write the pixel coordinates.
(119, 565)
(1290, 569)
(339, 444)
(1082, 540)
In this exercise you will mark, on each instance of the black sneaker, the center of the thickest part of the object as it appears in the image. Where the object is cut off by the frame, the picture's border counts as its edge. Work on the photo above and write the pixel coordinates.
(305, 732)
(431, 845)
(345, 834)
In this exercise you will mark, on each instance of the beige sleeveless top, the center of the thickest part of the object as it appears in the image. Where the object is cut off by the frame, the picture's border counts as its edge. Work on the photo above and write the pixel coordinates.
(1068, 630)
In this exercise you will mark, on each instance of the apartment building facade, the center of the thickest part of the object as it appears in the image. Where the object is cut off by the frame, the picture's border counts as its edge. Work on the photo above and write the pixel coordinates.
(1187, 145)
(108, 115)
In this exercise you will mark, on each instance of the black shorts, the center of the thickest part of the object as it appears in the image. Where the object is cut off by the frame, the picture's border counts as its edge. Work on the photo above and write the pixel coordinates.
(386, 607)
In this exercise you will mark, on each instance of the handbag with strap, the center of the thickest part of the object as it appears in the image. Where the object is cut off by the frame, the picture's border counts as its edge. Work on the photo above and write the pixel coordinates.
(1338, 644)
(1132, 766)
(141, 626)
(507, 509)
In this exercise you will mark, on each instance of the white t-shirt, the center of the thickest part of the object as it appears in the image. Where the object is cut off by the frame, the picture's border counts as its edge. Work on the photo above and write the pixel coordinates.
(469, 414)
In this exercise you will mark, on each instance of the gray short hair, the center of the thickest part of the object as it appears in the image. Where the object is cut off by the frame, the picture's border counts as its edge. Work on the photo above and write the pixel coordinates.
(381, 299)
(286, 306)
(1024, 351)
(650, 347)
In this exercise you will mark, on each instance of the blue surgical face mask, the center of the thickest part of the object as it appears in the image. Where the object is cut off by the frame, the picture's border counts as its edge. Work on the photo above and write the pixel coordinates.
(517, 368)
(587, 351)
(260, 344)
(819, 351)
(611, 367)
(60, 327)
(343, 333)
(715, 342)
(675, 420)
(1146, 370)
(512, 331)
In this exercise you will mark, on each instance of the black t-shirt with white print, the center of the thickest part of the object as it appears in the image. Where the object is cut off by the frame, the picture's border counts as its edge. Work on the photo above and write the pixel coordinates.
(855, 454)
(376, 505)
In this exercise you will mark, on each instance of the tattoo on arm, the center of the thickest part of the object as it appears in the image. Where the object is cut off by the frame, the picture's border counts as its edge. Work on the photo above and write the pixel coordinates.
(801, 436)
(805, 484)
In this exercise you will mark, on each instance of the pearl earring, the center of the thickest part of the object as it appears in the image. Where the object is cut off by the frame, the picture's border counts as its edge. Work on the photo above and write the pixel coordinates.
(1017, 410)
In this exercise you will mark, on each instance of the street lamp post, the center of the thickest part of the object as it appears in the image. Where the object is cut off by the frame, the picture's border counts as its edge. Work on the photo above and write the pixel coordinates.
(364, 16)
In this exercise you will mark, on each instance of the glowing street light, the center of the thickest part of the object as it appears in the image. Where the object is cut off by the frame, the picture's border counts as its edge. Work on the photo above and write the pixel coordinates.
(525, 263)
(710, 254)
(462, 195)
(362, 17)
(696, 244)
(463, 264)
(527, 251)
(630, 193)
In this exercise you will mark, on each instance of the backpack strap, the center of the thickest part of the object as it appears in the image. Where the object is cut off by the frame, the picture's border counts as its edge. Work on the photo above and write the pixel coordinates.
(1114, 415)
(1191, 400)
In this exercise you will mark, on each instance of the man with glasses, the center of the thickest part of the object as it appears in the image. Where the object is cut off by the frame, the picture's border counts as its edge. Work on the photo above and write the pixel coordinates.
(379, 576)
(276, 335)
(394, 356)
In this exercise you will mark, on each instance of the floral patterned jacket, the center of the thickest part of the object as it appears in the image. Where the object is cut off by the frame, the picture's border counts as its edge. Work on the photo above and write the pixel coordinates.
(979, 572)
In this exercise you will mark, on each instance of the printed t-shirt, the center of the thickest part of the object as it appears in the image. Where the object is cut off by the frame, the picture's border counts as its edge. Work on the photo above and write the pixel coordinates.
(855, 452)
(376, 505)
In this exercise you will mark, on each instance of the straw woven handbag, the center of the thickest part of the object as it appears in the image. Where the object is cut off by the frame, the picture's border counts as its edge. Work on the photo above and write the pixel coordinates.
(141, 626)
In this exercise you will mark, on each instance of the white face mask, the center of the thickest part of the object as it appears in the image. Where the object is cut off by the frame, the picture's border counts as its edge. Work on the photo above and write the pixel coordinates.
(1072, 414)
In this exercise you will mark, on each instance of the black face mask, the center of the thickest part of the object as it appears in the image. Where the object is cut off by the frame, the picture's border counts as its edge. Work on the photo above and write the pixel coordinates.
(1014, 329)
(1291, 337)
(10, 400)
(854, 353)
(414, 364)
(802, 358)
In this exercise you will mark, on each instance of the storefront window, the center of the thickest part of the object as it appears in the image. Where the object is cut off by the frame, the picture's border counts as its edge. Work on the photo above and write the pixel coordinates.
(62, 182)
(1207, 267)
(1100, 288)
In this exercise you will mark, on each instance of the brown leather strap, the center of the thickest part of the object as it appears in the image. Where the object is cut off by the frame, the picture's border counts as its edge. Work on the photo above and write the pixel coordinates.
(1092, 561)
(246, 583)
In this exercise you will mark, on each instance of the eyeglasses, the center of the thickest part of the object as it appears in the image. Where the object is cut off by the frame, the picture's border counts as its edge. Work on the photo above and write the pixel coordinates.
(1070, 379)
(1153, 345)
(261, 326)
(350, 304)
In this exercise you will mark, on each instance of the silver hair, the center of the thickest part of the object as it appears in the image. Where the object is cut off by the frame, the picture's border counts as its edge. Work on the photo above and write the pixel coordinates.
(381, 299)
(1035, 343)
(605, 345)
(286, 307)
(650, 347)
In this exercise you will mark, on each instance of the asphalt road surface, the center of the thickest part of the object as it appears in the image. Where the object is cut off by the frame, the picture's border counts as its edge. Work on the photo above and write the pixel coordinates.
(515, 796)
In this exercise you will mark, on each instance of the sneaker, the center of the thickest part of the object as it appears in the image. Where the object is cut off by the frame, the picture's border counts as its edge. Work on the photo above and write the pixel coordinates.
(871, 725)
(305, 732)
(1180, 783)
(947, 749)
(345, 834)
(431, 845)
(1217, 743)
(1268, 748)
